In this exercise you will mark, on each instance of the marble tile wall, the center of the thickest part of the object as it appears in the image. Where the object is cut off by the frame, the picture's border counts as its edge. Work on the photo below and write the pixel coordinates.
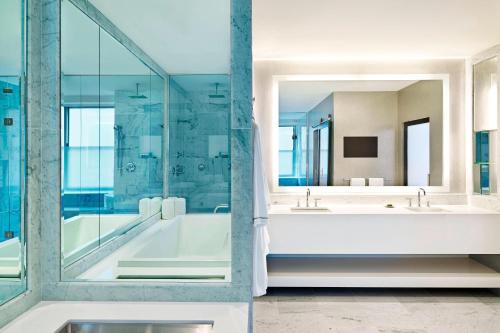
(199, 145)
(139, 120)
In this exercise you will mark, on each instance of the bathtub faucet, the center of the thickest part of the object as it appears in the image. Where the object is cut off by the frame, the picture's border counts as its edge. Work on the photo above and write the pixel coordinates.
(221, 206)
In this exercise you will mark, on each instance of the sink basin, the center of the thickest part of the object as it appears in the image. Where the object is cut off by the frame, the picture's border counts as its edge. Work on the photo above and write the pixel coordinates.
(426, 209)
(137, 327)
(310, 209)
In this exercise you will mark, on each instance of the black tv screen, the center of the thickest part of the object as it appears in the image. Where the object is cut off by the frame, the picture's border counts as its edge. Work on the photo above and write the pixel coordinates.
(360, 146)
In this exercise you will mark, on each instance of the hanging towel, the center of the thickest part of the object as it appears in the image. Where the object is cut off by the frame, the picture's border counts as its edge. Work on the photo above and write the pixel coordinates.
(358, 182)
(260, 220)
(375, 181)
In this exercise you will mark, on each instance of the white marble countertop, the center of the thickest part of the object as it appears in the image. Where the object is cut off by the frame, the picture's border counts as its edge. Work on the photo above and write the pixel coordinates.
(48, 317)
(380, 209)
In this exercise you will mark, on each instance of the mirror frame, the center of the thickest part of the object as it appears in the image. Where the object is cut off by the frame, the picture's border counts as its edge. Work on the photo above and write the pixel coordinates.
(444, 188)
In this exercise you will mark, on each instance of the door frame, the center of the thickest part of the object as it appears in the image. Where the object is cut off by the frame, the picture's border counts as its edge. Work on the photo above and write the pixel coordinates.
(405, 144)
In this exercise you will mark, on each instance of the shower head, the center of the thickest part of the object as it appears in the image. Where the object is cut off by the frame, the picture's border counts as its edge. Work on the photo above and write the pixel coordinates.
(137, 96)
(217, 95)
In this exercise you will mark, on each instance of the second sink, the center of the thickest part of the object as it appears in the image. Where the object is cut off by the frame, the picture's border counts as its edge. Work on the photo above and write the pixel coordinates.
(426, 209)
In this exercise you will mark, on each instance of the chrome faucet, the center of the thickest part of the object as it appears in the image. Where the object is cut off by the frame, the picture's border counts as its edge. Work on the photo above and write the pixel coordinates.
(420, 190)
(221, 206)
(308, 194)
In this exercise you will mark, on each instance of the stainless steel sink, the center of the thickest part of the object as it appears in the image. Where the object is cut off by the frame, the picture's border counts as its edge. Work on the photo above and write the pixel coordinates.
(136, 327)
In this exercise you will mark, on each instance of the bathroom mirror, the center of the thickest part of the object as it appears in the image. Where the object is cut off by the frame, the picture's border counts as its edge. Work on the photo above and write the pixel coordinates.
(12, 151)
(485, 125)
(145, 183)
(360, 132)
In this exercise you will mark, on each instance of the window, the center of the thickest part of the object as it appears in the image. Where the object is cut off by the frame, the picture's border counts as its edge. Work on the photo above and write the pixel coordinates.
(287, 150)
(292, 151)
(88, 140)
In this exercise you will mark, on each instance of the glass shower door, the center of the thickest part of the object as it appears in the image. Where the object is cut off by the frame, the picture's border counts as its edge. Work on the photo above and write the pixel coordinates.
(11, 264)
(12, 152)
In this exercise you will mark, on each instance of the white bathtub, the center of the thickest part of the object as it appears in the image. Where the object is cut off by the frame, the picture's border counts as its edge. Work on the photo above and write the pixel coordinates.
(193, 246)
(83, 233)
(10, 258)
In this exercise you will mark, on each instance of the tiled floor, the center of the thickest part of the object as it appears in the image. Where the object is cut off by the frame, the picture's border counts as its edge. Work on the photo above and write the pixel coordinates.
(377, 311)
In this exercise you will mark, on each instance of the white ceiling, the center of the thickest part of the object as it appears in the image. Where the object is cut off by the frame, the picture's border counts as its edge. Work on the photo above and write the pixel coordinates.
(340, 29)
(182, 36)
(302, 96)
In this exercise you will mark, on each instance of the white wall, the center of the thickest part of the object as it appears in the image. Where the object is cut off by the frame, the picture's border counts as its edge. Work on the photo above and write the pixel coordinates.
(421, 100)
(264, 71)
(365, 114)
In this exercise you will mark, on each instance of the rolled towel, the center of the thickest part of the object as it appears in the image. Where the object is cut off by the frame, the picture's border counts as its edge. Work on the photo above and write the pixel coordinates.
(145, 207)
(155, 205)
(358, 182)
(180, 206)
(168, 209)
(375, 181)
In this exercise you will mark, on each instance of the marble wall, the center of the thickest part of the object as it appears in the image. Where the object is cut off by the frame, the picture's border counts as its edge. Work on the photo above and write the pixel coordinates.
(241, 178)
(141, 133)
(199, 141)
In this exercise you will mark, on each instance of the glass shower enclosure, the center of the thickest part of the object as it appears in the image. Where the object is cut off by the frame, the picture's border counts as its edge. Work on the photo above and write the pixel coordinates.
(12, 151)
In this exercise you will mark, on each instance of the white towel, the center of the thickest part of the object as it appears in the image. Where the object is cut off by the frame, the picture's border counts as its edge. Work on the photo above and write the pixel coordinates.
(180, 206)
(358, 182)
(155, 205)
(261, 204)
(375, 181)
(168, 209)
(145, 208)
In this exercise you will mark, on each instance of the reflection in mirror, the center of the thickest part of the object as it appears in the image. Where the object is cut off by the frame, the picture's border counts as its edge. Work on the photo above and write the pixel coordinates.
(360, 133)
(12, 163)
(485, 125)
(145, 184)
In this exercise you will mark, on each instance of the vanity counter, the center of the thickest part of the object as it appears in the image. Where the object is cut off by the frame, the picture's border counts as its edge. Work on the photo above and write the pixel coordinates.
(381, 210)
(374, 246)
(453, 229)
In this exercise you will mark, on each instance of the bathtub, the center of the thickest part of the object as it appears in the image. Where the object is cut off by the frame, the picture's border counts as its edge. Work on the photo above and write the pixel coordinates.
(10, 258)
(83, 233)
(193, 246)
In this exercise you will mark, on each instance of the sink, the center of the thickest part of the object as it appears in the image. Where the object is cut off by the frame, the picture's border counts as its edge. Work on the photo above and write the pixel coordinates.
(310, 209)
(426, 209)
(137, 327)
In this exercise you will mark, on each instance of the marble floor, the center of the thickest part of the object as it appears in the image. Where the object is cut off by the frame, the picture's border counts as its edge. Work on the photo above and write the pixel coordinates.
(332, 310)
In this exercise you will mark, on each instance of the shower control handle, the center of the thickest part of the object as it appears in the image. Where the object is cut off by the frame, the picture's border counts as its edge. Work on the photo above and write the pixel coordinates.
(130, 167)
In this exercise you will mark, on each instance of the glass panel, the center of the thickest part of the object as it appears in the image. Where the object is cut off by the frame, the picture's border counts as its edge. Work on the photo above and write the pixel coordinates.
(115, 161)
(12, 273)
(485, 126)
(200, 161)
(81, 200)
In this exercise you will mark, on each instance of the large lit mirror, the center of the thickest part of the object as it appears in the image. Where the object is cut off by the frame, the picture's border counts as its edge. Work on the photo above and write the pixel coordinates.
(12, 151)
(360, 132)
(485, 125)
(145, 182)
